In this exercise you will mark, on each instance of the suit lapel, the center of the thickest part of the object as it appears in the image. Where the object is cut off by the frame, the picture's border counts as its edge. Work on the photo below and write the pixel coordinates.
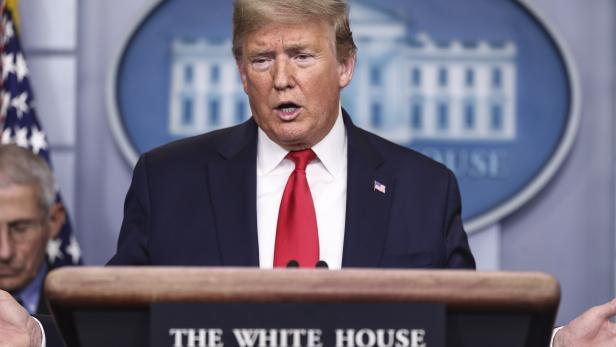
(232, 183)
(368, 208)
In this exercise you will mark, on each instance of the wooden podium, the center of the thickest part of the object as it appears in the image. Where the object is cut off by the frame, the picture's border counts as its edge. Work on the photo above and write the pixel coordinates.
(100, 306)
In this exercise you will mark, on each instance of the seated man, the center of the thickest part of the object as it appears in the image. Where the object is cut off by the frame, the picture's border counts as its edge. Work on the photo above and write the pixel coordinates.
(29, 217)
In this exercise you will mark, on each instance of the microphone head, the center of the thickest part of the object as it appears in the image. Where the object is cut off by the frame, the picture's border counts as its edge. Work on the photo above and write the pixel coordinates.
(292, 263)
(322, 264)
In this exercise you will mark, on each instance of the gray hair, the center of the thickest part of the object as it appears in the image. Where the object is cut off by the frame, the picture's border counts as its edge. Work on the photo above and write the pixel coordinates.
(19, 166)
(249, 15)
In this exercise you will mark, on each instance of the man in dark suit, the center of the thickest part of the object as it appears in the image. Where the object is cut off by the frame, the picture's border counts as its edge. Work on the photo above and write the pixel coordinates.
(198, 201)
(365, 202)
(194, 203)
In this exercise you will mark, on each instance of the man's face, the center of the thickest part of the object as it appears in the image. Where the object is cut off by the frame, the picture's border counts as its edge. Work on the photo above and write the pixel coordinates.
(293, 81)
(24, 233)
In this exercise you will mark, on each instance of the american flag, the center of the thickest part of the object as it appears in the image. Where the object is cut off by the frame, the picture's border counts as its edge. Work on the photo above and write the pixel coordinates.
(378, 186)
(20, 126)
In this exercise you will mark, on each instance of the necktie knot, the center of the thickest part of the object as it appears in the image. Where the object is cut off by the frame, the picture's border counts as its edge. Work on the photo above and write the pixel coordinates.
(302, 158)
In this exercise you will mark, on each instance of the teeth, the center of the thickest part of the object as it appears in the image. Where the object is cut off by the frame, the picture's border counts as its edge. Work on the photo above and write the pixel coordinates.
(288, 109)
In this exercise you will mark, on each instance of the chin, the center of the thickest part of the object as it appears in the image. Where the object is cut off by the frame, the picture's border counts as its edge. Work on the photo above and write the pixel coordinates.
(291, 141)
(10, 286)
(293, 146)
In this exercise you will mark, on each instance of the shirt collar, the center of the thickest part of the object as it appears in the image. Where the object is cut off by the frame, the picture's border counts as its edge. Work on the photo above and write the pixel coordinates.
(328, 150)
(30, 294)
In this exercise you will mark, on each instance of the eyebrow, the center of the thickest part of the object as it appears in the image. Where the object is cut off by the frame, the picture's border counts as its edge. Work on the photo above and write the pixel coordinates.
(21, 221)
(296, 47)
(264, 49)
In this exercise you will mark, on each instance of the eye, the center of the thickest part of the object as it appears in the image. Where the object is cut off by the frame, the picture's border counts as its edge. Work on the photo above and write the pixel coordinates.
(261, 63)
(20, 227)
(304, 58)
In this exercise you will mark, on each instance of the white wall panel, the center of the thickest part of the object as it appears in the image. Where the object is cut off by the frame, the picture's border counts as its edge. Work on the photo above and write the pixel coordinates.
(486, 247)
(49, 25)
(53, 81)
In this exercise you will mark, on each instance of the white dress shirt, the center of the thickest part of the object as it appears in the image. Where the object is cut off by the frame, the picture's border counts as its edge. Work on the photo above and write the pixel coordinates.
(327, 178)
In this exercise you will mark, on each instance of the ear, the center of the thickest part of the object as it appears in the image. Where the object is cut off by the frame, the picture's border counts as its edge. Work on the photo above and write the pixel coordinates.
(57, 217)
(345, 70)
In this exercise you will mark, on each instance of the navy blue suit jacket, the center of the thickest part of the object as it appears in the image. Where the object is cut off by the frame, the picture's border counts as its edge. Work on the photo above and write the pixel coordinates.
(193, 202)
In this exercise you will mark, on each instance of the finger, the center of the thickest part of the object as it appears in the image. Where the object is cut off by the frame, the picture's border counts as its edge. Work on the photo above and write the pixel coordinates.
(5, 295)
(11, 312)
(606, 310)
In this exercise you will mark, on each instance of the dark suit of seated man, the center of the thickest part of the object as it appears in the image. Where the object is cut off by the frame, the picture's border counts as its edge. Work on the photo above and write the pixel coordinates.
(297, 183)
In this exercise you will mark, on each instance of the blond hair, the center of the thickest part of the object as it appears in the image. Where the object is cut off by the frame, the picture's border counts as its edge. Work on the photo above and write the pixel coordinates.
(249, 15)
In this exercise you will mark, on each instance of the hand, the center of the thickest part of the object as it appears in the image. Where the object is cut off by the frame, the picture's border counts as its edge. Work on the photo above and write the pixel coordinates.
(591, 329)
(17, 328)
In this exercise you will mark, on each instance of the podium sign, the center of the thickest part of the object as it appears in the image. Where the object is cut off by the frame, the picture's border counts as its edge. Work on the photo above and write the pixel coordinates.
(206, 307)
(304, 324)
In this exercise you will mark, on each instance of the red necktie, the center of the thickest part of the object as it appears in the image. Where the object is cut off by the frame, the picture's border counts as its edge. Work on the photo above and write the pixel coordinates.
(297, 237)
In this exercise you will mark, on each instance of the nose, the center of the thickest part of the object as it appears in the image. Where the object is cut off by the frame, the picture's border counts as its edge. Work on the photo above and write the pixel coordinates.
(6, 246)
(283, 74)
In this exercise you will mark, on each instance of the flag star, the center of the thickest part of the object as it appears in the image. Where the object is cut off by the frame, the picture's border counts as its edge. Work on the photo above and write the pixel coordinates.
(8, 65)
(5, 100)
(21, 137)
(53, 249)
(8, 31)
(21, 68)
(74, 250)
(6, 136)
(21, 104)
(37, 140)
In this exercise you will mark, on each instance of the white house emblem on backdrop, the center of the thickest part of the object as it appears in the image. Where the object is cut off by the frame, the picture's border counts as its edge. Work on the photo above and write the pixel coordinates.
(485, 87)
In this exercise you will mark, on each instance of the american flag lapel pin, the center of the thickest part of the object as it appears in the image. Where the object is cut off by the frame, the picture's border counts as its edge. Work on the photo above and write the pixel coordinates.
(378, 186)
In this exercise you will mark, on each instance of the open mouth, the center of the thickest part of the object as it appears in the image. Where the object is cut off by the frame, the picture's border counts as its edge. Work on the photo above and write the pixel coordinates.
(287, 110)
(287, 107)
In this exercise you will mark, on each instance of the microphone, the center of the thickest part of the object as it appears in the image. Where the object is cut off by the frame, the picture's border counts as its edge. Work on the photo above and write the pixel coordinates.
(322, 264)
(292, 263)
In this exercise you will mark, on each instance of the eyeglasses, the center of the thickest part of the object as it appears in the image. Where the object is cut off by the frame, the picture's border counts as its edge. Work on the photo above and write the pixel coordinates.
(22, 230)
